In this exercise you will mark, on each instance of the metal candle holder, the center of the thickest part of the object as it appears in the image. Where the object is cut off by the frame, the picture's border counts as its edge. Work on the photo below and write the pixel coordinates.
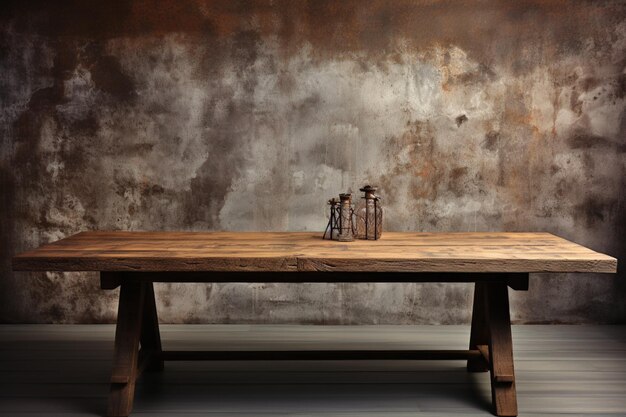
(341, 219)
(332, 228)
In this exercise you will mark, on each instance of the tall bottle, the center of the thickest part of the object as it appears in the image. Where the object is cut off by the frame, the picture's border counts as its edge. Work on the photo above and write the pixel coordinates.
(369, 215)
(345, 218)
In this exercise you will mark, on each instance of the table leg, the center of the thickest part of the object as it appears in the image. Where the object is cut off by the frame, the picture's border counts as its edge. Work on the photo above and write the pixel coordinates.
(150, 335)
(125, 359)
(500, 350)
(479, 337)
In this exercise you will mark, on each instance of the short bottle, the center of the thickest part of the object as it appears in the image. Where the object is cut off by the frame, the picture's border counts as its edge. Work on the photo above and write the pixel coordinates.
(369, 215)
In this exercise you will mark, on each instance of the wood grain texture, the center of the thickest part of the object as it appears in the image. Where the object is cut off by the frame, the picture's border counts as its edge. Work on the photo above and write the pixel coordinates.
(303, 251)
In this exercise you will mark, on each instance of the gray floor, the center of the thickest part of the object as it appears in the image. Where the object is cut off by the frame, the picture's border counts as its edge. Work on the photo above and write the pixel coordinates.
(561, 370)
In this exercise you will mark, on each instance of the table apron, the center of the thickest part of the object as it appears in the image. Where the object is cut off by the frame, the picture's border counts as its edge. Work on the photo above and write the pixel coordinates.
(516, 281)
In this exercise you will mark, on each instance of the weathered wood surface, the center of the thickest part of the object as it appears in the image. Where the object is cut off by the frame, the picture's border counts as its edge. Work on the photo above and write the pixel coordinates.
(302, 251)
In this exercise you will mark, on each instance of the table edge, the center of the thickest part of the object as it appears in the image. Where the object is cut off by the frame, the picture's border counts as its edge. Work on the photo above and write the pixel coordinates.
(602, 264)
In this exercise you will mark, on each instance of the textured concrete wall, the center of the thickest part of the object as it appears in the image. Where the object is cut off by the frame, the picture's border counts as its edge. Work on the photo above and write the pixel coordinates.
(232, 115)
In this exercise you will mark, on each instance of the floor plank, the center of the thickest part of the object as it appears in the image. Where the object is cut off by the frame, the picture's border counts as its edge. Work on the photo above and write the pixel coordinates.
(63, 370)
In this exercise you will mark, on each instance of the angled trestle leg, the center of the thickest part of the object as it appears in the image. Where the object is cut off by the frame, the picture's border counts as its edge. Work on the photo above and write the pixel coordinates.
(137, 324)
(491, 335)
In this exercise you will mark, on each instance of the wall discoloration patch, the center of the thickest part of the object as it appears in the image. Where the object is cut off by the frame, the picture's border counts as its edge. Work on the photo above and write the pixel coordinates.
(249, 115)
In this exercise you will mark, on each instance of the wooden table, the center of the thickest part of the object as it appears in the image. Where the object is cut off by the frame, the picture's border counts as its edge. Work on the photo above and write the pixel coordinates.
(134, 260)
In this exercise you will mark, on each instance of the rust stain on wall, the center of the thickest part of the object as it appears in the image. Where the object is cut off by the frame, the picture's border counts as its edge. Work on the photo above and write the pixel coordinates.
(206, 115)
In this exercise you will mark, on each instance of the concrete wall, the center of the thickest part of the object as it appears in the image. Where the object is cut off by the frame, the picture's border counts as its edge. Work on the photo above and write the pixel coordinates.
(231, 115)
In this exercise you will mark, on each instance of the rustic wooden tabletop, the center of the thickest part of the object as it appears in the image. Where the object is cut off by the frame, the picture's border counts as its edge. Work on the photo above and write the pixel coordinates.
(305, 251)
